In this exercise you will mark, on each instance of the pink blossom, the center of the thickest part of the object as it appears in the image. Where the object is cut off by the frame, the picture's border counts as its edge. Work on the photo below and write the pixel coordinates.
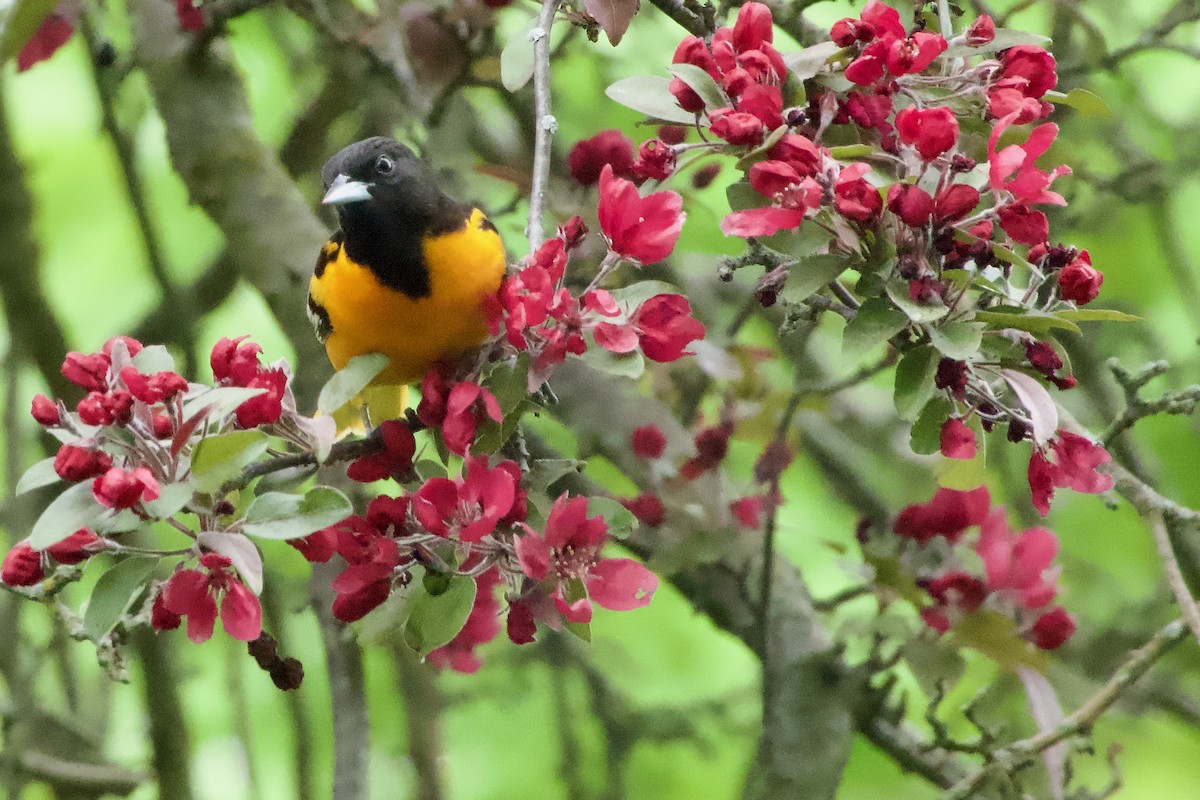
(1020, 562)
(948, 514)
(193, 593)
(467, 508)
(569, 553)
(643, 229)
(1014, 168)
(1074, 466)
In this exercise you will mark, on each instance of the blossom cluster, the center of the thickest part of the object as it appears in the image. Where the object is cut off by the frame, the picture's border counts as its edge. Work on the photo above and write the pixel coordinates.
(1019, 579)
(477, 526)
(130, 439)
(891, 167)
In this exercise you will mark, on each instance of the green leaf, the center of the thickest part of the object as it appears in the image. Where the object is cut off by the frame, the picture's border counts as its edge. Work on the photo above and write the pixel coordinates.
(516, 59)
(916, 312)
(1005, 38)
(350, 380)
(385, 624)
(433, 619)
(845, 152)
(154, 358)
(701, 83)
(957, 340)
(649, 95)
(914, 381)
(217, 459)
(808, 62)
(21, 23)
(508, 381)
(621, 521)
(963, 474)
(1036, 323)
(545, 471)
(996, 636)
(876, 322)
(114, 594)
(276, 515)
(1087, 103)
(624, 365)
(813, 272)
(635, 294)
(73, 509)
(172, 497)
(925, 437)
(1096, 315)
(40, 474)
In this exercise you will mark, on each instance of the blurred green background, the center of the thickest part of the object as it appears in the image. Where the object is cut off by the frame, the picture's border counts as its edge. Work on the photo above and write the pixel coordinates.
(508, 730)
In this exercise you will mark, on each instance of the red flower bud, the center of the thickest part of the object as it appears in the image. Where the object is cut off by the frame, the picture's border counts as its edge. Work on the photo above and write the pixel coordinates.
(154, 388)
(954, 202)
(572, 232)
(932, 131)
(22, 566)
(79, 546)
(77, 464)
(45, 411)
(233, 362)
(846, 32)
(1053, 629)
(648, 441)
(910, 203)
(957, 440)
(648, 509)
(588, 157)
(118, 488)
(655, 160)
(753, 27)
(736, 127)
(981, 32)
(88, 371)
(132, 346)
(1079, 280)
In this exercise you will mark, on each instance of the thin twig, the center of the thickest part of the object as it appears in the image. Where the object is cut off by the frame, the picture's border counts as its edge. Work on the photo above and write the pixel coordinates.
(1017, 754)
(1175, 581)
(543, 122)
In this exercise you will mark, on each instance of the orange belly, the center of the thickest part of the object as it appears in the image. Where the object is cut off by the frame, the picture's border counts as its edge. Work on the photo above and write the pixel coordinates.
(367, 317)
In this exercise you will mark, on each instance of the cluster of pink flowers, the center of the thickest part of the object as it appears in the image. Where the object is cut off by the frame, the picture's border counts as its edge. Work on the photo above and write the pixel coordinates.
(132, 434)
(552, 576)
(1019, 578)
(535, 313)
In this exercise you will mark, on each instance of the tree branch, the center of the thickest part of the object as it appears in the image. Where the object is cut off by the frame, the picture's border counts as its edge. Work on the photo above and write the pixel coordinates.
(1008, 759)
(347, 692)
(794, 760)
(270, 234)
(543, 122)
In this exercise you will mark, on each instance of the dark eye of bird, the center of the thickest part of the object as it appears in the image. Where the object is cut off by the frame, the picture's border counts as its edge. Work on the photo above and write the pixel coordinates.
(384, 165)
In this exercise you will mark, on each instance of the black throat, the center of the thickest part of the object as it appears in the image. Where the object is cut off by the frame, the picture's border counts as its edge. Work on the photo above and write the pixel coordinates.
(385, 235)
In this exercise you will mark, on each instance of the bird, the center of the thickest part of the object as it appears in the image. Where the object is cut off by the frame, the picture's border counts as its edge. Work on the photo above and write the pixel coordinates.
(406, 274)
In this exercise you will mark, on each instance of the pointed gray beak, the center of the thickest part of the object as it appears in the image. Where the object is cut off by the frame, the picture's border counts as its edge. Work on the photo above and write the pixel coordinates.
(344, 190)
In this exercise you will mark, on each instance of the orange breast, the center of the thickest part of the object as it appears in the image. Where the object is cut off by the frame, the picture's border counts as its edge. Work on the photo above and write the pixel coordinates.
(465, 266)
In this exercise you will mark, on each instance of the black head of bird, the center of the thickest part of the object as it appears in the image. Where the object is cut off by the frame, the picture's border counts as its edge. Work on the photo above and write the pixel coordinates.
(387, 199)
